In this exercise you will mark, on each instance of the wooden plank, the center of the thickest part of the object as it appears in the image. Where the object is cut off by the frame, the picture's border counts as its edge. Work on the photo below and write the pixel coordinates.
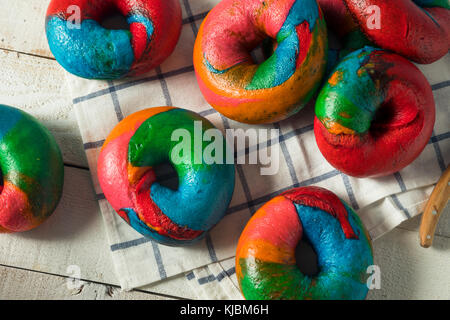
(409, 271)
(22, 26)
(18, 284)
(38, 86)
(443, 227)
(74, 236)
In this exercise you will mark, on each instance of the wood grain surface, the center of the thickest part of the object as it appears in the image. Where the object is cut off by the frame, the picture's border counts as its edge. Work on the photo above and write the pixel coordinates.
(34, 265)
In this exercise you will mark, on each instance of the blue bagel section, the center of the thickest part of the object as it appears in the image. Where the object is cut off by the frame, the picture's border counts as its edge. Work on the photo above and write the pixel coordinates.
(206, 202)
(342, 262)
(289, 44)
(284, 59)
(9, 117)
(91, 51)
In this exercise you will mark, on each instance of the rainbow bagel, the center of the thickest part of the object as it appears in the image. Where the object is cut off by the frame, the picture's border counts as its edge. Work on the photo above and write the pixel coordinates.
(31, 171)
(265, 257)
(279, 87)
(341, 23)
(91, 51)
(416, 29)
(375, 114)
(142, 141)
(337, 17)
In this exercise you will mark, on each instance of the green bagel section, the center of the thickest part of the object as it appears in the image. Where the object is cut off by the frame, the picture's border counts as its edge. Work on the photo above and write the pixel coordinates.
(31, 160)
(288, 284)
(149, 146)
(350, 98)
(206, 180)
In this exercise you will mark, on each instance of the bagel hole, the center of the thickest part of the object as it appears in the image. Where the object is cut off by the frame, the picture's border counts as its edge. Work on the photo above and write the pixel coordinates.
(262, 51)
(384, 115)
(167, 176)
(114, 20)
(399, 110)
(306, 258)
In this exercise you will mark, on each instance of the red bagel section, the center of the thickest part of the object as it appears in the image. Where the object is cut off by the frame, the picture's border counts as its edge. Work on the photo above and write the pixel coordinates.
(324, 200)
(421, 35)
(166, 18)
(338, 17)
(400, 130)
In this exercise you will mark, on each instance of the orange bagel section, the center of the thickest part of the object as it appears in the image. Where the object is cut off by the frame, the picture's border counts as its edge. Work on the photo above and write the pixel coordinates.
(227, 93)
(132, 122)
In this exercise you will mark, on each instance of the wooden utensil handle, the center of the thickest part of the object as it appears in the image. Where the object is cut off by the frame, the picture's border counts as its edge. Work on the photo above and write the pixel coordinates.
(433, 209)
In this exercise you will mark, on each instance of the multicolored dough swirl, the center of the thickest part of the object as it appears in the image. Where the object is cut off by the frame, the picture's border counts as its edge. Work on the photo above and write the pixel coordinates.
(91, 51)
(280, 86)
(31, 171)
(375, 114)
(265, 257)
(142, 141)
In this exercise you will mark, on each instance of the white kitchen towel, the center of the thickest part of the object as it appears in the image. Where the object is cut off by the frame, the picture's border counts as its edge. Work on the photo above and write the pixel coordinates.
(215, 281)
(382, 203)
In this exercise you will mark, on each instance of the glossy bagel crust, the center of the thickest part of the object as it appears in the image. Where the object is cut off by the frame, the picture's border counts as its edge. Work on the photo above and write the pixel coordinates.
(31, 171)
(416, 29)
(265, 257)
(125, 171)
(93, 52)
(375, 114)
(280, 86)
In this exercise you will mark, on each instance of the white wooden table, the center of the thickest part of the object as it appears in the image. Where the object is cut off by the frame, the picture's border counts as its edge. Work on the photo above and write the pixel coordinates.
(35, 264)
